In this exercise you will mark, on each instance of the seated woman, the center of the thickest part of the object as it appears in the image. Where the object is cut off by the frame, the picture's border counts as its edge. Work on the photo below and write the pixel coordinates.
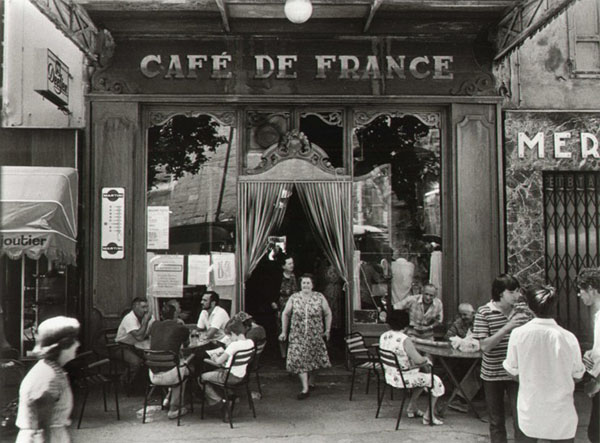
(413, 366)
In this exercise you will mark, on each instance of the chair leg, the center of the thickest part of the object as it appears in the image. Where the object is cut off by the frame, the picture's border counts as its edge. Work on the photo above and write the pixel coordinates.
(104, 397)
(258, 383)
(85, 396)
(401, 408)
(250, 400)
(203, 401)
(181, 393)
(380, 400)
(148, 391)
(352, 382)
(368, 380)
(116, 388)
(190, 388)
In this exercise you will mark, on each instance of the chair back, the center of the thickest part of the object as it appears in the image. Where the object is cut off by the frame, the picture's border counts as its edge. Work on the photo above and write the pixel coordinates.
(389, 360)
(110, 336)
(158, 361)
(259, 350)
(356, 347)
(242, 358)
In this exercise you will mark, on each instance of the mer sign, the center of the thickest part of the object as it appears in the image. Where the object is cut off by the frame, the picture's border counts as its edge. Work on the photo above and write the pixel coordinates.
(587, 144)
(51, 78)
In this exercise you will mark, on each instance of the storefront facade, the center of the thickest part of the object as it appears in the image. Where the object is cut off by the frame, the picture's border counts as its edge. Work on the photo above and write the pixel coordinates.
(387, 145)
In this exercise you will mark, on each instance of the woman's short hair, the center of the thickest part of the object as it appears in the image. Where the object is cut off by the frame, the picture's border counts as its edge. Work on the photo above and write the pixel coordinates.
(54, 335)
(589, 278)
(502, 283)
(235, 326)
(281, 258)
(541, 300)
(309, 276)
(398, 319)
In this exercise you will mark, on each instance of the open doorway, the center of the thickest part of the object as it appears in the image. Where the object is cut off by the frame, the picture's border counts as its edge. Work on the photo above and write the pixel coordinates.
(262, 288)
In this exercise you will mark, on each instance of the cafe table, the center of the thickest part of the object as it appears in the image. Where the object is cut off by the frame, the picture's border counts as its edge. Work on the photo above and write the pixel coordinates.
(443, 352)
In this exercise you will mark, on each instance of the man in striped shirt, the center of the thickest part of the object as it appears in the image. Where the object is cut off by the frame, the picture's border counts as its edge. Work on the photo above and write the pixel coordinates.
(492, 326)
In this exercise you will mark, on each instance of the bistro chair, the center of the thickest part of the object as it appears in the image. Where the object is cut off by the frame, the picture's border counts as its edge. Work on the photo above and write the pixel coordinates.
(255, 364)
(12, 372)
(87, 372)
(164, 360)
(240, 358)
(389, 360)
(361, 359)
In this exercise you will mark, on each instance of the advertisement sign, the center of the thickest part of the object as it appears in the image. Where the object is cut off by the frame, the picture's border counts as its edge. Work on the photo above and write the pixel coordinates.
(112, 235)
(223, 267)
(52, 78)
(158, 227)
(166, 276)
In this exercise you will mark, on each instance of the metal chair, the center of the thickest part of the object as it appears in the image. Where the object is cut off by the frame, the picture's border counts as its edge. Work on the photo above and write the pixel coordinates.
(159, 361)
(389, 360)
(361, 358)
(240, 358)
(12, 372)
(86, 373)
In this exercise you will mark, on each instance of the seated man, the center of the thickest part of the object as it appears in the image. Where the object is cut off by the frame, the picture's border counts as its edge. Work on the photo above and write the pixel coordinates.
(460, 328)
(254, 331)
(463, 323)
(170, 335)
(425, 312)
(213, 318)
(133, 334)
(239, 342)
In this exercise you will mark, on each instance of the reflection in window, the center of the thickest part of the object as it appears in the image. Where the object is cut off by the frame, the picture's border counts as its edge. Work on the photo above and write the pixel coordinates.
(397, 203)
(263, 130)
(325, 129)
(192, 171)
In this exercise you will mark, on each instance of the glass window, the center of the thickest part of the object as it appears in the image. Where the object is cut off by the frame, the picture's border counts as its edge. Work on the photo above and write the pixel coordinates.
(264, 129)
(584, 38)
(397, 207)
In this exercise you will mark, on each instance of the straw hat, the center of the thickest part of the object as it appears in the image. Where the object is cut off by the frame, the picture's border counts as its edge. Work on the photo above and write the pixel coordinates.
(53, 331)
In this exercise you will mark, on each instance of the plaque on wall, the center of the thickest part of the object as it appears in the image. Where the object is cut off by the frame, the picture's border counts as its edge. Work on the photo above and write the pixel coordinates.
(112, 235)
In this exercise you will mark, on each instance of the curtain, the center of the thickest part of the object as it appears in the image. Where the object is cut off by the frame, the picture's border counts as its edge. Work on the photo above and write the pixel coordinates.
(327, 205)
(264, 205)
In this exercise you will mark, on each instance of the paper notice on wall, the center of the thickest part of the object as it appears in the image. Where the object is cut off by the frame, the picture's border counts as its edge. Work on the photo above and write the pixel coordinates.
(198, 269)
(158, 227)
(223, 265)
(166, 276)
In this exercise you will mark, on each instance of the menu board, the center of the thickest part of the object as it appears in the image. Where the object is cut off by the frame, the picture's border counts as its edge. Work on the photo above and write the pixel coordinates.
(112, 234)
(158, 227)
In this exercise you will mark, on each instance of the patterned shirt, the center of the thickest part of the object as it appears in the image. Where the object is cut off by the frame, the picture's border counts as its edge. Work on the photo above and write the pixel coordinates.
(421, 320)
(489, 320)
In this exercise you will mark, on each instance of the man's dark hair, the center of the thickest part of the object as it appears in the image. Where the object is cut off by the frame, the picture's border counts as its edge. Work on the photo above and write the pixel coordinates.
(235, 326)
(589, 278)
(281, 258)
(168, 311)
(502, 283)
(137, 300)
(541, 300)
(398, 319)
(214, 297)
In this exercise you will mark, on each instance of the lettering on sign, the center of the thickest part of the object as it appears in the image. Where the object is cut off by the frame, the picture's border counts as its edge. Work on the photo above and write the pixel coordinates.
(284, 66)
(586, 142)
(52, 78)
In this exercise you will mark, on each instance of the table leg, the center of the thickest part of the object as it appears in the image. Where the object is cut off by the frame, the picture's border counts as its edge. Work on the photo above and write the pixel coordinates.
(458, 387)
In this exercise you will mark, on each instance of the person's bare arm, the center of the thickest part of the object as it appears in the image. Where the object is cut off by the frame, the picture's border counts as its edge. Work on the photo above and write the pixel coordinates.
(328, 317)
(414, 355)
(285, 321)
(141, 333)
(489, 343)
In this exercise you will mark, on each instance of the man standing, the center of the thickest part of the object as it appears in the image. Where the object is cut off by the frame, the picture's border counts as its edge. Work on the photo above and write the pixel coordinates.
(493, 324)
(213, 317)
(133, 335)
(547, 361)
(425, 312)
(588, 283)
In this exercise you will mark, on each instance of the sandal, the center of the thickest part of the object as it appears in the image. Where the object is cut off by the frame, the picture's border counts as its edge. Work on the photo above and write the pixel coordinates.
(415, 414)
(436, 421)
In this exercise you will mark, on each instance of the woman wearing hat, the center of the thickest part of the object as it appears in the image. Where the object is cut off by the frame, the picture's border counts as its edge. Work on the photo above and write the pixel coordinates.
(45, 397)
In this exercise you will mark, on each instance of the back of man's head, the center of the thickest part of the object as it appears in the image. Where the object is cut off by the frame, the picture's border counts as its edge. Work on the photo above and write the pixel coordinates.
(168, 311)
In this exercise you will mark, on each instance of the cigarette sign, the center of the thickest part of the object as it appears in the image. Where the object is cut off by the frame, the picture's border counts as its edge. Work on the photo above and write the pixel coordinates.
(112, 237)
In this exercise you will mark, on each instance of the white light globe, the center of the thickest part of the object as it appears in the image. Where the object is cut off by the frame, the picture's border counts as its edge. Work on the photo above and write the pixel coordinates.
(298, 11)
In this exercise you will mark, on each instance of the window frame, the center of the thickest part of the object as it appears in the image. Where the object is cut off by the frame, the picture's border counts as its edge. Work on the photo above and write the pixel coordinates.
(574, 38)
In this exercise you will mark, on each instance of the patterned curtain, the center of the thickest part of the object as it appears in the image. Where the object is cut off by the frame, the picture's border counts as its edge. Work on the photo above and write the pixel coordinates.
(327, 205)
(264, 205)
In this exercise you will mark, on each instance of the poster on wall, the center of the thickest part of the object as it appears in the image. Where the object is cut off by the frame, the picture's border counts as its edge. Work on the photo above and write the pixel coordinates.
(112, 234)
(223, 268)
(198, 269)
(158, 227)
(165, 276)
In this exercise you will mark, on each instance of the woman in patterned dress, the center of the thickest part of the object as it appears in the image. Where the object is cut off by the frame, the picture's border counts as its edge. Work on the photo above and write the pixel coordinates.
(45, 397)
(309, 329)
(412, 364)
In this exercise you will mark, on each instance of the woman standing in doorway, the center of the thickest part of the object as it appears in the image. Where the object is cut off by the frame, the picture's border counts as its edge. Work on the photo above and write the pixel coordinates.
(309, 329)
(45, 397)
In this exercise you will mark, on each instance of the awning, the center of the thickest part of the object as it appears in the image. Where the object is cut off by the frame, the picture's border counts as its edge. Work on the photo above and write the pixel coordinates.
(38, 212)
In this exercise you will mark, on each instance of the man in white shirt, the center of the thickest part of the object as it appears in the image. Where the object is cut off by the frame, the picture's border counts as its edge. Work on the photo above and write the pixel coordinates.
(134, 334)
(547, 361)
(588, 284)
(213, 318)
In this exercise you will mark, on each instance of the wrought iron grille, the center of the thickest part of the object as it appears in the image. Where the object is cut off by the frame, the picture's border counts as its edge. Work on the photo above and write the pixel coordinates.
(572, 240)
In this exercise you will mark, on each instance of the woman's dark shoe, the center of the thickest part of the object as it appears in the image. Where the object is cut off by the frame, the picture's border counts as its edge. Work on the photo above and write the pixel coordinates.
(303, 395)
